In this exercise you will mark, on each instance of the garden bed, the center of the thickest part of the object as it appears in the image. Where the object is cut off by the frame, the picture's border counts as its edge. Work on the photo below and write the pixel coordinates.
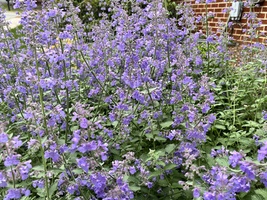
(142, 111)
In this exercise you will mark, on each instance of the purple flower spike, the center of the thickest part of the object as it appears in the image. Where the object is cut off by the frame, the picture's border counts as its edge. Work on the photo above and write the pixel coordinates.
(3, 180)
(262, 152)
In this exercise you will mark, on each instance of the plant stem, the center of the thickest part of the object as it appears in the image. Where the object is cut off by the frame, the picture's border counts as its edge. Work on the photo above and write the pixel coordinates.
(67, 95)
(45, 124)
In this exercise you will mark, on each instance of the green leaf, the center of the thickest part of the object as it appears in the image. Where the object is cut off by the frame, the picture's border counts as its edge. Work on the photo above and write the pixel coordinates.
(115, 151)
(170, 166)
(160, 163)
(251, 124)
(163, 182)
(115, 123)
(222, 162)
(134, 188)
(78, 171)
(170, 147)
(74, 128)
(56, 170)
(41, 192)
(220, 127)
(149, 136)
(176, 185)
(154, 174)
(131, 179)
(53, 188)
(257, 197)
(160, 138)
(166, 124)
(262, 192)
(44, 139)
(38, 168)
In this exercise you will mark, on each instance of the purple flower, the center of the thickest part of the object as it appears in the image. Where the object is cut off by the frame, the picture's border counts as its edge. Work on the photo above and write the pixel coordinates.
(211, 118)
(262, 152)
(52, 154)
(104, 156)
(239, 184)
(25, 169)
(90, 146)
(264, 113)
(187, 80)
(235, 158)
(16, 142)
(16, 193)
(196, 193)
(3, 138)
(38, 184)
(205, 108)
(112, 117)
(84, 123)
(13, 194)
(221, 179)
(263, 178)
(3, 180)
(73, 188)
(82, 163)
(132, 170)
(32, 143)
(248, 169)
(209, 196)
(98, 182)
(12, 160)
(149, 184)
(209, 39)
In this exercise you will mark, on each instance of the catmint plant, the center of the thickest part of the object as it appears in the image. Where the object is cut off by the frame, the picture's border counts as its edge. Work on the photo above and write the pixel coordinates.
(116, 109)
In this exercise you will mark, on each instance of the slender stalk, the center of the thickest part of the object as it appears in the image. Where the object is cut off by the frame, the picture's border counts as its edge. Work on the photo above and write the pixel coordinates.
(45, 124)
(50, 74)
(73, 178)
(67, 95)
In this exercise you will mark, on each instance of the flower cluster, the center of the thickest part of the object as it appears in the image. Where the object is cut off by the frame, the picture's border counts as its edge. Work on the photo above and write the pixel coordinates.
(113, 112)
(225, 180)
(14, 170)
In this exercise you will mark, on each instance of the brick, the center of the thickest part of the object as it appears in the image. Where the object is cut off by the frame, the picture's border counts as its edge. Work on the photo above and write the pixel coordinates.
(257, 10)
(219, 15)
(238, 32)
(246, 10)
(243, 20)
(218, 10)
(261, 15)
(201, 6)
(222, 5)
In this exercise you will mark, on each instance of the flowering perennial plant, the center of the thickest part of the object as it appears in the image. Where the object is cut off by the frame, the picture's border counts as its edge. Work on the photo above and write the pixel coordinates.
(117, 112)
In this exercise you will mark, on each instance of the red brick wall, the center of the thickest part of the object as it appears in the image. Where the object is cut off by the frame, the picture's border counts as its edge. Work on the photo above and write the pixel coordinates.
(238, 28)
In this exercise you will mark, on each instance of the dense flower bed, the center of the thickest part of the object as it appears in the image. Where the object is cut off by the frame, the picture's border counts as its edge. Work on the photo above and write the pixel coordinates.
(124, 111)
